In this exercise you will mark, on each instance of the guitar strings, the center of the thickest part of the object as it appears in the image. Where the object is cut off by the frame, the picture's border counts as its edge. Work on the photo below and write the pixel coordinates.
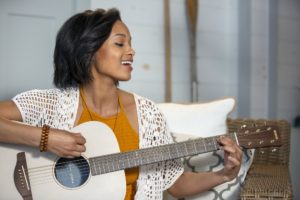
(45, 174)
(40, 175)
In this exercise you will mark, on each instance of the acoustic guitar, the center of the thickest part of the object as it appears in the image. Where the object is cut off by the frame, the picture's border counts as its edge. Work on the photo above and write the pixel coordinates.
(99, 173)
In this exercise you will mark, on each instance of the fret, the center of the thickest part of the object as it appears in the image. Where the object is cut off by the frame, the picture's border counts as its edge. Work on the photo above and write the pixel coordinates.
(114, 163)
(153, 156)
(137, 156)
(195, 147)
(164, 154)
(101, 166)
(98, 167)
(118, 165)
(174, 151)
(158, 152)
(169, 152)
(191, 147)
(106, 164)
(215, 144)
(119, 161)
(182, 150)
(203, 142)
(134, 160)
(197, 143)
(102, 163)
(112, 168)
(209, 145)
(94, 167)
(186, 149)
(126, 159)
(122, 164)
(145, 159)
(122, 161)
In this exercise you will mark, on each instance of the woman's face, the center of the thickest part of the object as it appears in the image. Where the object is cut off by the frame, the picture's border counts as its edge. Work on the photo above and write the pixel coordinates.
(114, 58)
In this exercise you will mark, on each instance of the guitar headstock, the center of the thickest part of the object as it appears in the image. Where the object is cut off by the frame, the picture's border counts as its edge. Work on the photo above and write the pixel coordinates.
(258, 136)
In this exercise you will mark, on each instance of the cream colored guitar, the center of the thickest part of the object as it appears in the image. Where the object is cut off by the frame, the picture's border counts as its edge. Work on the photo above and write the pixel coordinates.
(99, 173)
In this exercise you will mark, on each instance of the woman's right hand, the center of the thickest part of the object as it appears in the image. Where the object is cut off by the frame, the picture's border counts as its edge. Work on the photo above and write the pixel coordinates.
(65, 144)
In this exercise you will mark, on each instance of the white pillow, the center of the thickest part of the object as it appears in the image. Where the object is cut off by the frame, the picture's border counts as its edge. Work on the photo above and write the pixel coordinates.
(188, 121)
(200, 119)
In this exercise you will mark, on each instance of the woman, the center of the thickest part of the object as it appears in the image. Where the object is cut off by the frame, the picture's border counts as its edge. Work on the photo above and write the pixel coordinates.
(92, 54)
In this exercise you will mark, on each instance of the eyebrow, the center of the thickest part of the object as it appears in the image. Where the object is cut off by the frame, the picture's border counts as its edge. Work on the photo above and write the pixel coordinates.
(121, 35)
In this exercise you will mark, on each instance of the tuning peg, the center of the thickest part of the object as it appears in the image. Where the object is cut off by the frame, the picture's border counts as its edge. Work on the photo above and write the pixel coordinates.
(262, 152)
(243, 126)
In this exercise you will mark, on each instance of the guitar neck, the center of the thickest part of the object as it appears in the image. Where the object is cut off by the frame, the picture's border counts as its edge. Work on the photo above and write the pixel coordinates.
(120, 161)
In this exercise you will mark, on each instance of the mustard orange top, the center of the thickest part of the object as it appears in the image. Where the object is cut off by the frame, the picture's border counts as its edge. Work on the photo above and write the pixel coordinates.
(126, 136)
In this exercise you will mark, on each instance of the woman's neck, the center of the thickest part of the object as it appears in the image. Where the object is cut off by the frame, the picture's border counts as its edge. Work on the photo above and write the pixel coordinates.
(101, 98)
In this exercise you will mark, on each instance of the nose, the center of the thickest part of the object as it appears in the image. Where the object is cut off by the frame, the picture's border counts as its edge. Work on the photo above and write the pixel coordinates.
(131, 51)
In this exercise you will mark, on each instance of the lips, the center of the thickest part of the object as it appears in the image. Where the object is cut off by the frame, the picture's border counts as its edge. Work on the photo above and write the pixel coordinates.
(127, 64)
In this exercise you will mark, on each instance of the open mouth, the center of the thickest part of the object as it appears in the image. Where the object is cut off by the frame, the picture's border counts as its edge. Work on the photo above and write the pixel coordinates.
(127, 62)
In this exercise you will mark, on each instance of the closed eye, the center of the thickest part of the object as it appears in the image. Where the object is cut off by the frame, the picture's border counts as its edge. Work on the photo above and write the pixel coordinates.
(119, 44)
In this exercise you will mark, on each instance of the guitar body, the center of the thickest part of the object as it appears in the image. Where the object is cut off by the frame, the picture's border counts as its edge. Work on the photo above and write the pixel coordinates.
(46, 177)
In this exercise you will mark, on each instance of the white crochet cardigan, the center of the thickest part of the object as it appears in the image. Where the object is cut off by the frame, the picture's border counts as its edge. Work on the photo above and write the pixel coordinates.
(58, 108)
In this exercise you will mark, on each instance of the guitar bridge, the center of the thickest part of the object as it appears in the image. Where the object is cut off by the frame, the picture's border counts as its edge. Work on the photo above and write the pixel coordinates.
(21, 177)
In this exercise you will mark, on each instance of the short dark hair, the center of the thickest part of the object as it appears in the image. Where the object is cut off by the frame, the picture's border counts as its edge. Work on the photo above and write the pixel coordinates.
(76, 43)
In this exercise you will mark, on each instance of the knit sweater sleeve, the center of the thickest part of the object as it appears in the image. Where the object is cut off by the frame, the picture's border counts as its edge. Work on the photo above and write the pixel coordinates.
(54, 107)
(153, 131)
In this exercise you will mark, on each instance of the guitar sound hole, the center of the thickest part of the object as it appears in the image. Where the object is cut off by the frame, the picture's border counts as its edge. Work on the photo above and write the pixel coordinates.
(73, 172)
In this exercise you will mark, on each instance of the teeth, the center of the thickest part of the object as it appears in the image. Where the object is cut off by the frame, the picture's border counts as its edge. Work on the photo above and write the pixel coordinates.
(126, 62)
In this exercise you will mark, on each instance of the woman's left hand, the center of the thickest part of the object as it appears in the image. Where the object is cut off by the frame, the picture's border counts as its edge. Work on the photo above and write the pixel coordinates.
(232, 158)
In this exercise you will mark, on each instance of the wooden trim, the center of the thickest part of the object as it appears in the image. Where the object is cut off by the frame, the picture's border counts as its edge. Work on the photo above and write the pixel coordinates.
(192, 14)
(168, 69)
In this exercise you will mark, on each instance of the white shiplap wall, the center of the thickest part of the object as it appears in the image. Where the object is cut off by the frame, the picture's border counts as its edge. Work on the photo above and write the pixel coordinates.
(288, 59)
(289, 78)
(259, 58)
(217, 49)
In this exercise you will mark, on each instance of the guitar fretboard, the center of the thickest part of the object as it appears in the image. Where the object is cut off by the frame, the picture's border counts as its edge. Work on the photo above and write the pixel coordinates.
(120, 161)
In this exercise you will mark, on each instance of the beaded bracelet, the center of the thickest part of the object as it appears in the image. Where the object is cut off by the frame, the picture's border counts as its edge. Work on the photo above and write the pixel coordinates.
(44, 138)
